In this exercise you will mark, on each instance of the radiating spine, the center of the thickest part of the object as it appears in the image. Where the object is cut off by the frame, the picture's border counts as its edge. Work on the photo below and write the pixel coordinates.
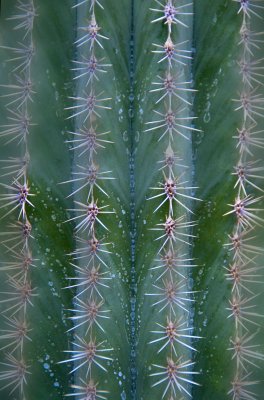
(172, 297)
(17, 198)
(243, 271)
(92, 272)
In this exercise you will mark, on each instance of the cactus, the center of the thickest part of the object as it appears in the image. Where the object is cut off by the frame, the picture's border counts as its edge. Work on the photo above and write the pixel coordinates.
(131, 199)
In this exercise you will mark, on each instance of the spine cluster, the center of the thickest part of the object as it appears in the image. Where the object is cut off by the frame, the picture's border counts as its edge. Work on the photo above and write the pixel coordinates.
(244, 271)
(17, 261)
(90, 352)
(173, 125)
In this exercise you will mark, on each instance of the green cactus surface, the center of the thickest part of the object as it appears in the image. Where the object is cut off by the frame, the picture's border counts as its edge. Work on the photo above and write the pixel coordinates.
(131, 199)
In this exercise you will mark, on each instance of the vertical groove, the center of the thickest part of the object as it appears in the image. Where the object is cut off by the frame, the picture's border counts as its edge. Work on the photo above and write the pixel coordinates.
(133, 285)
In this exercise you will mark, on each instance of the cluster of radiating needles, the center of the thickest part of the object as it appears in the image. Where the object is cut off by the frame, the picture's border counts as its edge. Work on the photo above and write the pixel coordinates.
(16, 256)
(243, 271)
(90, 351)
(172, 124)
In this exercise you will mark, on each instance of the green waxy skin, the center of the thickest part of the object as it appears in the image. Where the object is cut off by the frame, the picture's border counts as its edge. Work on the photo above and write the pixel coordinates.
(132, 158)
